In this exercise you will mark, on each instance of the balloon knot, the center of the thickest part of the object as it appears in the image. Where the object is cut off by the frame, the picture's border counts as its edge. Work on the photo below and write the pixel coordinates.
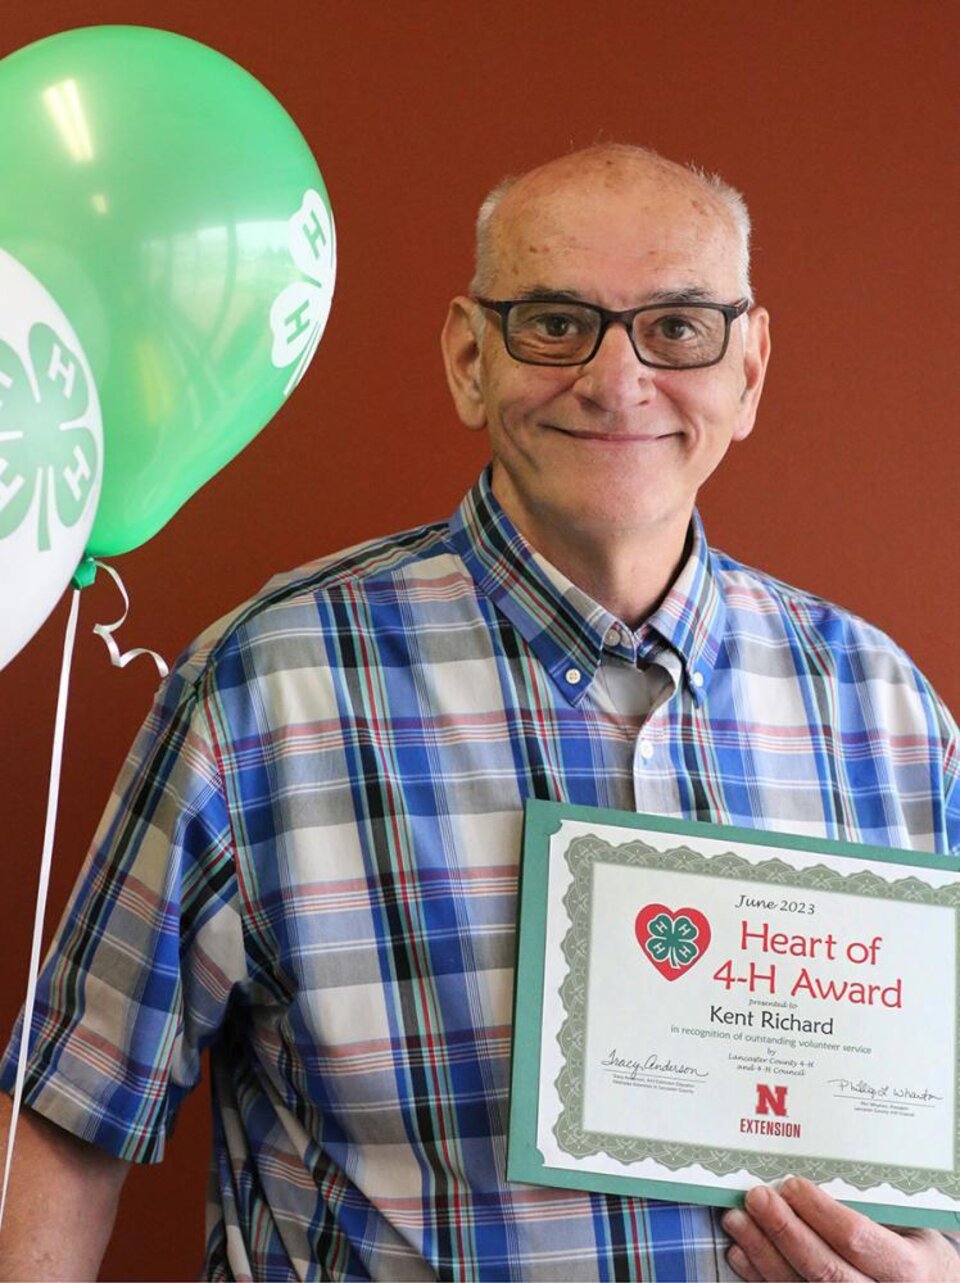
(85, 573)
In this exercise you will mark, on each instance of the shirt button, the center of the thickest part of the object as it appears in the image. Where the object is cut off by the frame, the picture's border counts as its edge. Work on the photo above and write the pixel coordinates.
(613, 637)
(573, 676)
(697, 679)
(646, 750)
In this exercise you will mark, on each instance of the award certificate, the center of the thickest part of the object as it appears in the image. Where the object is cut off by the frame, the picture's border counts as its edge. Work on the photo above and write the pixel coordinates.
(702, 1008)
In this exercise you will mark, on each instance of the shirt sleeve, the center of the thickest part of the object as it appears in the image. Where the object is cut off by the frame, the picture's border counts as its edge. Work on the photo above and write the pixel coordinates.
(952, 774)
(945, 753)
(150, 949)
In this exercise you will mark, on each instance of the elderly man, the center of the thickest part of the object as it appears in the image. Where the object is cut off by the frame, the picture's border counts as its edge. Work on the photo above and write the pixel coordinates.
(310, 862)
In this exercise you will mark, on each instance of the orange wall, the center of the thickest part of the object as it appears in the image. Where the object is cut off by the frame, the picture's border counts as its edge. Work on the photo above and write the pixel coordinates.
(836, 118)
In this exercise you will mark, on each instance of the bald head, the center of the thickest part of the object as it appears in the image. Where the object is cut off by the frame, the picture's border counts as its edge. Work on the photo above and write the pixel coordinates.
(616, 168)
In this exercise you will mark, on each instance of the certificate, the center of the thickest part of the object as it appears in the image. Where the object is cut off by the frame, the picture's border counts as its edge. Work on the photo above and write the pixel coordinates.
(701, 1008)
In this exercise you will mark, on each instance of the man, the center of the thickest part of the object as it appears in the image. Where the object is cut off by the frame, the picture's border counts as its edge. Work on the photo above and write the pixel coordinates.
(311, 862)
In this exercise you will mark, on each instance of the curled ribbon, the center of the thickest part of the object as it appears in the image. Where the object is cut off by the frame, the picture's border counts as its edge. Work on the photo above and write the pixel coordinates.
(85, 575)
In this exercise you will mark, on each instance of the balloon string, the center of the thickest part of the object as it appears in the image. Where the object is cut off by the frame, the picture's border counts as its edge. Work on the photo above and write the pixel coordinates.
(53, 795)
(105, 631)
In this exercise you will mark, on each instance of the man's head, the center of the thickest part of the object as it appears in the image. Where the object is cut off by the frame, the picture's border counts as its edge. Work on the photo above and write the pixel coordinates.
(603, 158)
(610, 450)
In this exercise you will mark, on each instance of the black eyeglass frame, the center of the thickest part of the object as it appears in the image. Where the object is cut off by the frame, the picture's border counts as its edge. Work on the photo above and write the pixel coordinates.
(729, 311)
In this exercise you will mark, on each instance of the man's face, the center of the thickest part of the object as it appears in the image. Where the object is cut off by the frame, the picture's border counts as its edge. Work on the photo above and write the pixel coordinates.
(610, 450)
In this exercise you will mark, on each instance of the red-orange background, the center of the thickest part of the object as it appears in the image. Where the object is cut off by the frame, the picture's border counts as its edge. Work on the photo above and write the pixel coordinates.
(838, 120)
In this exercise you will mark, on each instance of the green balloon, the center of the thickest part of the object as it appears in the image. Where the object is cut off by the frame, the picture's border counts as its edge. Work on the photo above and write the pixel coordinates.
(173, 210)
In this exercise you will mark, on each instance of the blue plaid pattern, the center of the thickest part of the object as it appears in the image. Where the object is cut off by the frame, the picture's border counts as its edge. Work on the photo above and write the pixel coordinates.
(309, 866)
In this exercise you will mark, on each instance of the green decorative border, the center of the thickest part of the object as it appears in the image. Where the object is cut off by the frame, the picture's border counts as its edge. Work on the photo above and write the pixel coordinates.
(525, 1162)
(582, 856)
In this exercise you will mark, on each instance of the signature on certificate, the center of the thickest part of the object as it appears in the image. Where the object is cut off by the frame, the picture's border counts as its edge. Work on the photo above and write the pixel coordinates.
(864, 1090)
(651, 1064)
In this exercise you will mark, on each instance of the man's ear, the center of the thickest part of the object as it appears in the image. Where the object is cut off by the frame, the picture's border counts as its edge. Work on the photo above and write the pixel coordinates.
(756, 354)
(460, 344)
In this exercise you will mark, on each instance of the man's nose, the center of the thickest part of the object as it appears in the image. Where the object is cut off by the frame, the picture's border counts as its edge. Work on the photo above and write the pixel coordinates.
(616, 377)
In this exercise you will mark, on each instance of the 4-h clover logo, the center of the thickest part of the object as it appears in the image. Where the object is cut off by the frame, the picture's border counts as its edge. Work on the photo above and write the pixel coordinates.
(48, 450)
(299, 314)
(672, 940)
(51, 453)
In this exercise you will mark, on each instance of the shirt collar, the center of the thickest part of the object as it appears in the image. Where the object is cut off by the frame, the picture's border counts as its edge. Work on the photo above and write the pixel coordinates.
(566, 629)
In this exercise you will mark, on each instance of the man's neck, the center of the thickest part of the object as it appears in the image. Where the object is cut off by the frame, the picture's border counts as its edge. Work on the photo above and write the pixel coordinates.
(630, 582)
(629, 572)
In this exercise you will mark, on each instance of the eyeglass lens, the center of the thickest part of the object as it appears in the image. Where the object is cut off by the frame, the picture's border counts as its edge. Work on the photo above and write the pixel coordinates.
(567, 332)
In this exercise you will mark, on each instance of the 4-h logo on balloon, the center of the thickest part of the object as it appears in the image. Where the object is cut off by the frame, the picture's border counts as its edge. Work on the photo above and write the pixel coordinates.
(51, 451)
(49, 454)
(299, 314)
(672, 940)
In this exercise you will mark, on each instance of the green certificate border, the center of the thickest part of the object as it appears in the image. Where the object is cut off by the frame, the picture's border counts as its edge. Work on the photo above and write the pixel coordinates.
(524, 1160)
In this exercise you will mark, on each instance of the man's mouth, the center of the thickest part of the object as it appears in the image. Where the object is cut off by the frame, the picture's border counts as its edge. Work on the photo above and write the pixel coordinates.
(612, 438)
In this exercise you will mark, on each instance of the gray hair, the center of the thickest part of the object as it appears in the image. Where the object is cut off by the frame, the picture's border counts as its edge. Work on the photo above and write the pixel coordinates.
(729, 197)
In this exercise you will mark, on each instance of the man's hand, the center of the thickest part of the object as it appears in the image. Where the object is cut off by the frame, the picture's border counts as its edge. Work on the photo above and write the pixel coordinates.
(803, 1233)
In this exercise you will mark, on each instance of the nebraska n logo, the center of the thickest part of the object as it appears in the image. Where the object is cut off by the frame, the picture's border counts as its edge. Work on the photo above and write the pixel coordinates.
(771, 1100)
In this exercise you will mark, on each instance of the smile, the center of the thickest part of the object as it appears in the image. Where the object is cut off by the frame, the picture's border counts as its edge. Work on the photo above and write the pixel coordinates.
(614, 438)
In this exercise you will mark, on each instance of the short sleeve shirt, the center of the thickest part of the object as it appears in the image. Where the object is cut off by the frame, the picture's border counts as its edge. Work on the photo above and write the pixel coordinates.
(309, 867)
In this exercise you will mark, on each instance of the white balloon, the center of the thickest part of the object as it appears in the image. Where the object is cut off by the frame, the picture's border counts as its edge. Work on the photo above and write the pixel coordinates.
(51, 454)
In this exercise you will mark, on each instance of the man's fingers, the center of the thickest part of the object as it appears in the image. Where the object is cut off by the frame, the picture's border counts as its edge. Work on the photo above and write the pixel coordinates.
(877, 1251)
(740, 1262)
(800, 1232)
(808, 1254)
(754, 1256)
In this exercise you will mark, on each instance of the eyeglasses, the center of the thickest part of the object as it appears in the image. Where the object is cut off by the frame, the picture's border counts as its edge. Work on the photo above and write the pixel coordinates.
(672, 336)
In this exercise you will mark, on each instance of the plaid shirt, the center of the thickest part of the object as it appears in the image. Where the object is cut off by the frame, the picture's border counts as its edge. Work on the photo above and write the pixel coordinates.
(310, 865)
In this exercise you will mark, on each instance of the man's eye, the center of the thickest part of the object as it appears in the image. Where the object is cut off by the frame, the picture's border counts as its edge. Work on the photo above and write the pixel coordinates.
(554, 325)
(676, 328)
